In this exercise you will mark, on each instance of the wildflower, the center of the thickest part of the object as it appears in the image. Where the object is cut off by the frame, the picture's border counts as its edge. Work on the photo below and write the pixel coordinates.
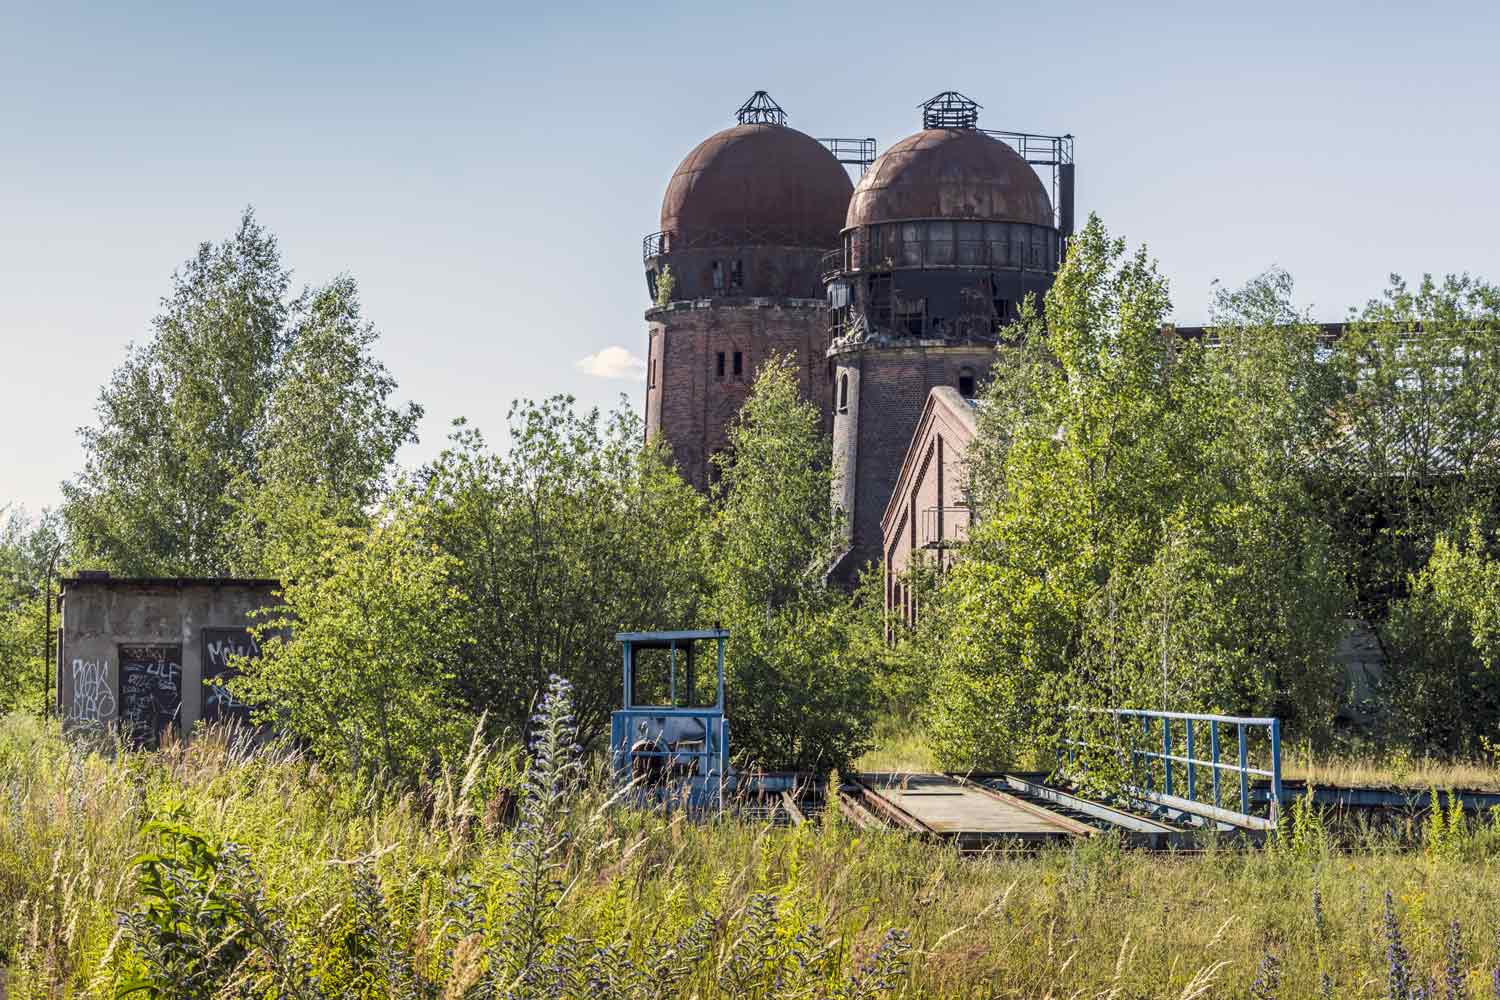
(1398, 962)
(1267, 979)
(1453, 970)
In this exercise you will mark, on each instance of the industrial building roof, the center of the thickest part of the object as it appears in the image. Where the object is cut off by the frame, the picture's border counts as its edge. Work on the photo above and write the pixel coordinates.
(759, 176)
(950, 173)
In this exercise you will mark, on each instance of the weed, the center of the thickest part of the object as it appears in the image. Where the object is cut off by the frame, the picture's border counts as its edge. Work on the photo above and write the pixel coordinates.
(1267, 979)
(331, 893)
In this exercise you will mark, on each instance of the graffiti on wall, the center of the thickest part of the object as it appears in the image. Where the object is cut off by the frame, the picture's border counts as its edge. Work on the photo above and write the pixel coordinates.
(150, 692)
(220, 646)
(93, 698)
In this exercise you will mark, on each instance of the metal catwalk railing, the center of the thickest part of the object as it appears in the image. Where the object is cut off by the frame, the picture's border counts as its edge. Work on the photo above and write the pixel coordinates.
(1137, 732)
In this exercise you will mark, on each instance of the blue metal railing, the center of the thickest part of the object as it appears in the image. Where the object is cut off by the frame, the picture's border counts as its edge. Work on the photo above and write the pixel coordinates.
(1157, 729)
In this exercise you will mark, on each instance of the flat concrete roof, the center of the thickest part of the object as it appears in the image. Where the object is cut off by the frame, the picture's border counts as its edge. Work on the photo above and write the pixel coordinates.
(107, 580)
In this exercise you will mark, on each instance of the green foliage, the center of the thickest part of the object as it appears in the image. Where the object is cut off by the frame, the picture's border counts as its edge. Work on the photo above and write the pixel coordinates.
(358, 658)
(529, 911)
(202, 924)
(239, 385)
(328, 436)
(1413, 459)
(366, 896)
(1443, 688)
(1302, 834)
(29, 553)
(202, 927)
(1144, 537)
(1446, 834)
(801, 694)
(577, 532)
(666, 284)
(1411, 472)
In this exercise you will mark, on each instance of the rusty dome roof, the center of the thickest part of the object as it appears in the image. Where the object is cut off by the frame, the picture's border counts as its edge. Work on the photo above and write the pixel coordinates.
(950, 173)
(759, 176)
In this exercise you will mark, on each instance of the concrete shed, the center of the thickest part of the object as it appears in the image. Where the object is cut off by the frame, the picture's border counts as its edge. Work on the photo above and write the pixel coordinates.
(143, 653)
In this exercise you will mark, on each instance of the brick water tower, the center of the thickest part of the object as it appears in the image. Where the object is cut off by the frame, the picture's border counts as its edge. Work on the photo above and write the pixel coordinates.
(946, 235)
(734, 275)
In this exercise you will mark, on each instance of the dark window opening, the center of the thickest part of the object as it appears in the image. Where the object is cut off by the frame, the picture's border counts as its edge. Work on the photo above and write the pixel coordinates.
(880, 301)
(737, 275)
(651, 375)
(911, 316)
(844, 393)
(668, 676)
(1002, 310)
(971, 247)
(966, 382)
(997, 239)
(718, 276)
(940, 243)
(651, 283)
(720, 365)
(840, 317)
(739, 364)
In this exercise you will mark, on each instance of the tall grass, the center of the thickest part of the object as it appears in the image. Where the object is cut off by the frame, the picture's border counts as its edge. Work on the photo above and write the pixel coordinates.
(347, 892)
(1391, 770)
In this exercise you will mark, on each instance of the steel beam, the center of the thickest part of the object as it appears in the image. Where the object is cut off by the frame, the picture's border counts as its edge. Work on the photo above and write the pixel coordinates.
(1136, 829)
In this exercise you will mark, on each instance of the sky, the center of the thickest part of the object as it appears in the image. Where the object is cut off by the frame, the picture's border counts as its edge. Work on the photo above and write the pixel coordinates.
(486, 171)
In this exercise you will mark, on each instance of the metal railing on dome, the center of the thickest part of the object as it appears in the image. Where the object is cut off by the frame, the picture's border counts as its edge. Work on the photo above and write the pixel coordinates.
(831, 264)
(669, 241)
(1035, 255)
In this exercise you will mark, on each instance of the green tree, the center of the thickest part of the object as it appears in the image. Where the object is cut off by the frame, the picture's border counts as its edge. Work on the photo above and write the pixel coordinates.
(579, 531)
(328, 436)
(1418, 420)
(358, 658)
(1143, 537)
(30, 549)
(1443, 686)
(239, 383)
(800, 695)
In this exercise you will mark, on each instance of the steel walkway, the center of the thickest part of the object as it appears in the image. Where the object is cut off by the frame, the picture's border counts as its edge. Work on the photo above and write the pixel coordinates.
(949, 807)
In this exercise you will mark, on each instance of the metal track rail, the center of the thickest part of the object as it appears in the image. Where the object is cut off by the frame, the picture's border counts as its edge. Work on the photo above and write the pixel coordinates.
(1135, 830)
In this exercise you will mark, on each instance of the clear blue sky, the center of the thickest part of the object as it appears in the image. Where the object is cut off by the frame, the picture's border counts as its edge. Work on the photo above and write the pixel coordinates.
(486, 171)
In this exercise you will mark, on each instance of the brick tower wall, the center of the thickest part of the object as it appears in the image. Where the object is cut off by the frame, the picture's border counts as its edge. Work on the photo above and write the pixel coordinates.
(888, 388)
(689, 405)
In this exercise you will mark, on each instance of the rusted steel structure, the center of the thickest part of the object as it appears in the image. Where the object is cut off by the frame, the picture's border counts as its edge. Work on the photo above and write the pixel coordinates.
(877, 292)
(946, 236)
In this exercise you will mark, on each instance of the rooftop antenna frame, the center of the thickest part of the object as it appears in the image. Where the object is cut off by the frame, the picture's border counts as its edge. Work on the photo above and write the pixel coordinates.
(950, 109)
(760, 109)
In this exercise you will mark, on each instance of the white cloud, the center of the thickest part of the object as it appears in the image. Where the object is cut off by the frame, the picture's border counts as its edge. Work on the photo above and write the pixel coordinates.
(612, 362)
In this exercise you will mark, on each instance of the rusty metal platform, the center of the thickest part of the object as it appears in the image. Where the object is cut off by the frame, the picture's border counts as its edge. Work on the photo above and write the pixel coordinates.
(951, 808)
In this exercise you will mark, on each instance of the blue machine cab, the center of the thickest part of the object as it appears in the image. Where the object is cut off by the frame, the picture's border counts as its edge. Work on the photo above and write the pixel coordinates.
(671, 735)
